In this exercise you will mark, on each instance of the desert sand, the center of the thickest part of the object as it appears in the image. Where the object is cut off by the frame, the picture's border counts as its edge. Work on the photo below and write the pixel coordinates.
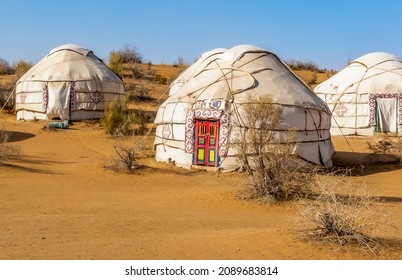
(58, 201)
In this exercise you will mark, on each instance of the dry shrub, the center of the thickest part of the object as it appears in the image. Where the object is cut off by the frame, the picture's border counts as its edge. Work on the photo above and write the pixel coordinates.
(139, 90)
(274, 173)
(297, 65)
(116, 63)
(5, 68)
(342, 213)
(7, 150)
(388, 148)
(125, 155)
(21, 67)
(313, 79)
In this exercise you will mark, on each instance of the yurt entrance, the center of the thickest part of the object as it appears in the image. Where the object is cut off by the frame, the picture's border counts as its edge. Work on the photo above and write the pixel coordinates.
(386, 114)
(206, 142)
(58, 100)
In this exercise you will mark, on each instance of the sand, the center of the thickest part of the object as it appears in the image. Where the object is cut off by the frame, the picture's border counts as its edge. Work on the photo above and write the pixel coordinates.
(58, 201)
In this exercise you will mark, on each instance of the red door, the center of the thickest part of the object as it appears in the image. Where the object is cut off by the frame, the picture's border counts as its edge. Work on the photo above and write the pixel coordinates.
(206, 143)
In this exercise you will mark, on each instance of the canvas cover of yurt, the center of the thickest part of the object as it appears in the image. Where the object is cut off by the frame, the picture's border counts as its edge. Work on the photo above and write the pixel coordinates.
(366, 96)
(203, 113)
(70, 83)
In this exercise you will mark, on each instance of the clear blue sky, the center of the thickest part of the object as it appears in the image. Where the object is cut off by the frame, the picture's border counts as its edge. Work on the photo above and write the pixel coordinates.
(328, 33)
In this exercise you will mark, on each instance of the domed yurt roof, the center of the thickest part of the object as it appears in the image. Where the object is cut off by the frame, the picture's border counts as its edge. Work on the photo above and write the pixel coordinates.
(377, 72)
(70, 62)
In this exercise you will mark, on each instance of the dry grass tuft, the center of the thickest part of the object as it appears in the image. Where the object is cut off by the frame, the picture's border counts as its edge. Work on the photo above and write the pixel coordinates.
(342, 213)
(126, 155)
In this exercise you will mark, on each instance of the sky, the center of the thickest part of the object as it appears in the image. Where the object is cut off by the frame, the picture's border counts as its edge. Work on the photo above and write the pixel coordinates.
(328, 33)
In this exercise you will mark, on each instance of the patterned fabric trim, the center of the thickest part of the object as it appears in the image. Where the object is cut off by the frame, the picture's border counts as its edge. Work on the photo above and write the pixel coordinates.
(72, 95)
(372, 99)
(189, 132)
(224, 134)
(205, 114)
(45, 96)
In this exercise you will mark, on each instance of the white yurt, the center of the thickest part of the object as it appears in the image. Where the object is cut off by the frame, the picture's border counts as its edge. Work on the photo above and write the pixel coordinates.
(203, 114)
(366, 96)
(70, 83)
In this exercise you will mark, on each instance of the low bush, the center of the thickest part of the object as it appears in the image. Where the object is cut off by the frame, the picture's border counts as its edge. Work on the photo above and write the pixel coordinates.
(126, 156)
(117, 119)
(273, 171)
(301, 65)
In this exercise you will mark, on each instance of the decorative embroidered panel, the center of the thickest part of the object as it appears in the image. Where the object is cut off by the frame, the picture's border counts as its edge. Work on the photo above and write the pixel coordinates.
(72, 95)
(205, 114)
(96, 97)
(340, 109)
(166, 131)
(45, 96)
(224, 134)
(372, 105)
(189, 132)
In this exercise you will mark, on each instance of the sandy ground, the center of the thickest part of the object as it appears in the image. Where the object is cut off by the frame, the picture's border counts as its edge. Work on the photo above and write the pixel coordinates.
(59, 202)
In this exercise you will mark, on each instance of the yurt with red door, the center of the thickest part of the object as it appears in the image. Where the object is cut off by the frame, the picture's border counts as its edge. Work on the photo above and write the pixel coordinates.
(196, 125)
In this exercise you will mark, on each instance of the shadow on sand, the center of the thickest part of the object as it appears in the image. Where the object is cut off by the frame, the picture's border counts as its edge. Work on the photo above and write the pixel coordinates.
(23, 163)
(16, 136)
(365, 163)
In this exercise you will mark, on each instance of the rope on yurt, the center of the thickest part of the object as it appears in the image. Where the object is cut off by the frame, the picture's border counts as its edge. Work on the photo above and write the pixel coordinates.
(350, 146)
(146, 135)
(337, 101)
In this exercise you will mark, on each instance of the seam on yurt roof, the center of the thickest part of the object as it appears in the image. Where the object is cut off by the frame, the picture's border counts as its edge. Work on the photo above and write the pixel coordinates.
(384, 71)
(71, 50)
(248, 62)
(203, 88)
(254, 51)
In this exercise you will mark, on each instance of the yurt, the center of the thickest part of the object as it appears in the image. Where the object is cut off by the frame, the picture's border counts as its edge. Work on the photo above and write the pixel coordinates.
(70, 83)
(366, 96)
(200, 119)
